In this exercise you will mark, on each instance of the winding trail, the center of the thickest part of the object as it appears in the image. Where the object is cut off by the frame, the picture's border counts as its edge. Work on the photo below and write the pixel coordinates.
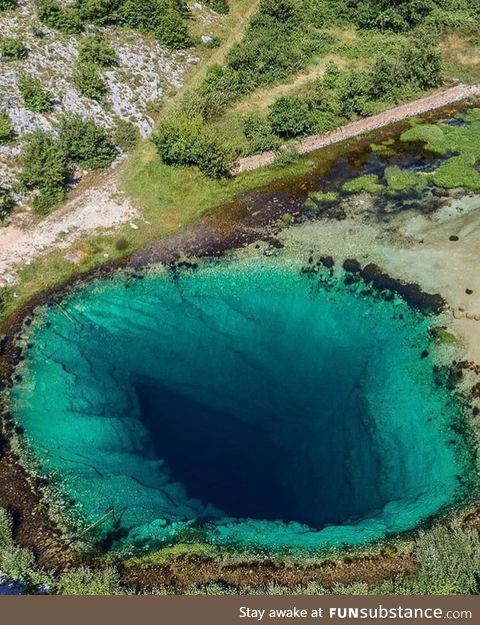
(367, 124)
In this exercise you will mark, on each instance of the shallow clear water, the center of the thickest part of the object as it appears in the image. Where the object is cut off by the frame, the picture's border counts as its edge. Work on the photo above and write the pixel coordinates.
(259, 405)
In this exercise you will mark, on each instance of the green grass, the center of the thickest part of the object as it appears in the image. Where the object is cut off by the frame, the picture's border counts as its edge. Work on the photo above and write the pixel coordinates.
(400, 181)
(462, 142)
(368, 183)
(458, 172)
(432, 135)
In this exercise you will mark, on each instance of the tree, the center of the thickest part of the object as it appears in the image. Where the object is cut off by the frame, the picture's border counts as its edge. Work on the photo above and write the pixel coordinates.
(421, 63)
(187, 141)
(35, 96)
(290, 117)
(44, 163)
(86, 143)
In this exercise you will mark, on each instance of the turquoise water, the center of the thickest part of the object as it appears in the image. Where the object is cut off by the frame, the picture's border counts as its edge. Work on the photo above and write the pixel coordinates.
(245, 401)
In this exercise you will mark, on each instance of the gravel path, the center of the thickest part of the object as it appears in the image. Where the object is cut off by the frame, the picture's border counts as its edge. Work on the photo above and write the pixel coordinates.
(362, 126)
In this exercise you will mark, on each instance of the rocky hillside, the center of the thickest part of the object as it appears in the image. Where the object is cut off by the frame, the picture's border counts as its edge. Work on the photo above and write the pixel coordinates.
(141, 73)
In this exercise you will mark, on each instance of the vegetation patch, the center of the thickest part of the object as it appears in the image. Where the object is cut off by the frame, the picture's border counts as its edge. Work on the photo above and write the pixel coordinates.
(166, 19)
(35, 96)
(399, 180)
(6, 129)
(460, 141)
(368, 183)
(12, 49)
(457, 172)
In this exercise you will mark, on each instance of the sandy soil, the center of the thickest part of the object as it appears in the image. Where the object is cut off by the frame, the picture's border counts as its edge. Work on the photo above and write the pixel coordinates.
(93, 209)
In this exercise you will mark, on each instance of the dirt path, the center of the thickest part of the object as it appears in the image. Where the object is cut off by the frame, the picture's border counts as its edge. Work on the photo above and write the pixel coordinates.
(93, 209)
(362, 126)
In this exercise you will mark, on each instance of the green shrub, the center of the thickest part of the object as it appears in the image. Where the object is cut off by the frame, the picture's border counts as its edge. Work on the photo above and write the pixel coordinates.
(88, 81)
(219, 6)
(187, 141)
(99, 12)
(96, 50)
(37, 30)
(6, 130)
(46, 199)
(322, 121)
(85, 581)
(64, 18)
(121, 244)
(163, 18)
(17, 562)
(287, 11)
(421, 62)
(290, 117)
(383, 14)
(35, 96)
(86, 143)
(452, 555)
(7, 203)
(258, 132)
(44, 164)
(12, 49)
(278, 42)
(125, 135)
(6, 5)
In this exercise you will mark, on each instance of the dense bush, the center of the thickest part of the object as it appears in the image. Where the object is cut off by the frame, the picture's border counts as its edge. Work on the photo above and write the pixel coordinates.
(187, 141)
(5, 5)
(258, 131)
(451, 555)
(35, 96)
(88, 81)
(278, 42)
(125, 135)
(164, 18)
(84, 581)
(418, 65)
(12, 49)
(65, 18)
(6, 130)
(403, 15)
(219, 6)
(15, 561)
(7, 203)
(44, 167)
(86, 143)
(290, 117)
(96, 50)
